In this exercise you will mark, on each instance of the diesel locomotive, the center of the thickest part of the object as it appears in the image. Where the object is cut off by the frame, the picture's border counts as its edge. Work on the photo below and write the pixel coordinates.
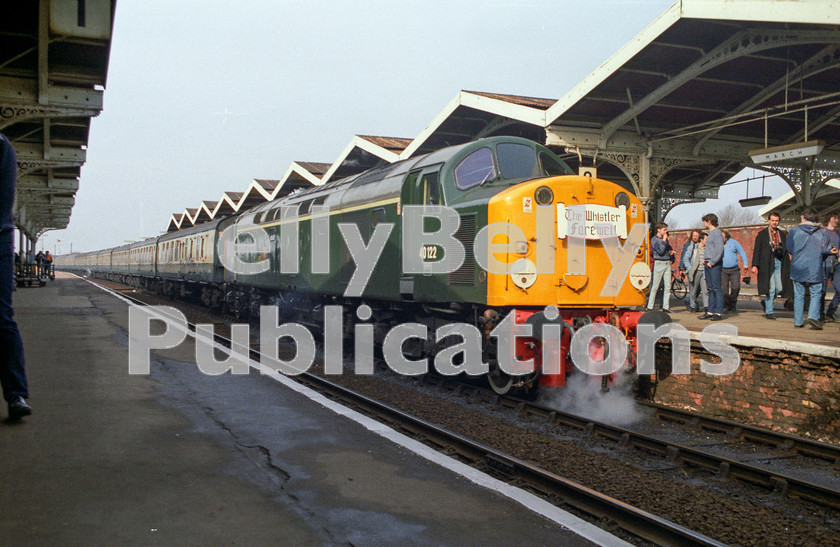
(530, 232)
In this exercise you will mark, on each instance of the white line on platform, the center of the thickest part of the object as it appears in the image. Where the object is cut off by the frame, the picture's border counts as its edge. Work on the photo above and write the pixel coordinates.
(528, 500)
(773, 344)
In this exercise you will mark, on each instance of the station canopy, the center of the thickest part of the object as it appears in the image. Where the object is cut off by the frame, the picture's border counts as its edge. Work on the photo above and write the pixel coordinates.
(708, 88)
(708, 84)
(53, 69)
(677, 111)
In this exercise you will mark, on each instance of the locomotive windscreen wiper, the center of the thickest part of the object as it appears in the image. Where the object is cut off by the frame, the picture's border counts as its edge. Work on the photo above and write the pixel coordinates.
(488, 178)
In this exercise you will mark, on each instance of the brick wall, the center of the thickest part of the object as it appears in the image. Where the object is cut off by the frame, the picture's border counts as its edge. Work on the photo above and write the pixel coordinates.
(745, 235)
(784, 391)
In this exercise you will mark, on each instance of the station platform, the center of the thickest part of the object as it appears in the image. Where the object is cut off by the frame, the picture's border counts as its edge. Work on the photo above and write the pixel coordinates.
(178, 457)
(755, 329)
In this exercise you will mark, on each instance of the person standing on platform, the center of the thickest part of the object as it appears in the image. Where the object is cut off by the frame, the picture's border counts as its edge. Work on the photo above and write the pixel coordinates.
(48, 260)
(714, 267)
(831, 272)
(686, 258)
(771, 264)
(808, 245)
(697, 276)
(663, 255)
(39, 264)
(12, 370)
(731, 274)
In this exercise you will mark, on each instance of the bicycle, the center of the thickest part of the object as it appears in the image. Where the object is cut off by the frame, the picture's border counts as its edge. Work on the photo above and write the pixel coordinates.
(679, 289)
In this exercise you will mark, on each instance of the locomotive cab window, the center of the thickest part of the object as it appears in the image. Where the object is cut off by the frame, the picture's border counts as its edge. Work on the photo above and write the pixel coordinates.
(475, 169)
(516, 161)
(551, 166)
(377, 216)
(430, 188)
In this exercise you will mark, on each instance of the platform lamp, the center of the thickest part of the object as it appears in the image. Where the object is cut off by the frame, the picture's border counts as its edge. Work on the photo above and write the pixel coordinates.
(758, 200)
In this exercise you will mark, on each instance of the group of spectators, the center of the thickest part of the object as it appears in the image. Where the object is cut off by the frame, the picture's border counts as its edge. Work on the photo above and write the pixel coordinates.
(803, 261)
(42, 261)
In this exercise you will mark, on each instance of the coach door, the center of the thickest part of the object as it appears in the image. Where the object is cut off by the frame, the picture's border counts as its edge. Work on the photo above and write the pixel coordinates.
(420, 188)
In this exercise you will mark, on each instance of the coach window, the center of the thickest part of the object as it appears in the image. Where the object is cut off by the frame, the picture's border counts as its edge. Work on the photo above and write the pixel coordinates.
(475, 169)
(516, 161)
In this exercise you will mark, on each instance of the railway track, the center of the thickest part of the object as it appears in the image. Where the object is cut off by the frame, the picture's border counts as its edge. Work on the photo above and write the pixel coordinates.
(608, 512)
(799, 445)
(686, 455)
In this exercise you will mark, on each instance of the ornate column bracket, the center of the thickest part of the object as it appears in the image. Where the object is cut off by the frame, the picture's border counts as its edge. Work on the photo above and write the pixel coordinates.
(792, 175)
(30, 166)
(12, 114)
(660, 166)
(670, 203)
(25, 195)
(630, 165)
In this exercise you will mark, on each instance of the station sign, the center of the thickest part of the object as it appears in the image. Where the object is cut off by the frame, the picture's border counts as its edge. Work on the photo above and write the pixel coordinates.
(788, 152)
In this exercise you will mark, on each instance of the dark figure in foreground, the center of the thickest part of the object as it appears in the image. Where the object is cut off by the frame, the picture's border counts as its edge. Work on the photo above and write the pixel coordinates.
(12, 371)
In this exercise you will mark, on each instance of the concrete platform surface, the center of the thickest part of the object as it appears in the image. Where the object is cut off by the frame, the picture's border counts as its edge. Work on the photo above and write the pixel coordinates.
(751, 321)
(177, 457)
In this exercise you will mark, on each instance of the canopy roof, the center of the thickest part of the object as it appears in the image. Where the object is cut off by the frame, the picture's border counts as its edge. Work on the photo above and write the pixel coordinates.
(53, 69)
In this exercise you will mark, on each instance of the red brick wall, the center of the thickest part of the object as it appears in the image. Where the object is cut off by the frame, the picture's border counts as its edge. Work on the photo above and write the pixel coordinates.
(745, 235)
(784, 391)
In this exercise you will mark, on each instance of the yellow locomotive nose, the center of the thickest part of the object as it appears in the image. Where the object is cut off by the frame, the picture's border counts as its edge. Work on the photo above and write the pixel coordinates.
(557, 230)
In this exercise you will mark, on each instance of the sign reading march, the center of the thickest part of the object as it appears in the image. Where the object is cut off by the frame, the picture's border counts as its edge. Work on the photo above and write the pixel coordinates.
(590, 221)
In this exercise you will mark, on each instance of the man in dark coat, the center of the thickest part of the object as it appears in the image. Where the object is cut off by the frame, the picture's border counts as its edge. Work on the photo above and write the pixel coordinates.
(771, 264)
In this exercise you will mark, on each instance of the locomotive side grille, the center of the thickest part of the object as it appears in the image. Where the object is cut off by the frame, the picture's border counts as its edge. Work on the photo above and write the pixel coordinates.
(465, 275)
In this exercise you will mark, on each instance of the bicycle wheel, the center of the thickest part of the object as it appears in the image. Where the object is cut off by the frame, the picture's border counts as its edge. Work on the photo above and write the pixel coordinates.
(678, 289)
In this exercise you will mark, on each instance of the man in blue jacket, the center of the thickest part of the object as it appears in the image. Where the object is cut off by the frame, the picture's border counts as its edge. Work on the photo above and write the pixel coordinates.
(12, 371)
(686, 258)
(714, 267)
(731, 273)
(808, 246)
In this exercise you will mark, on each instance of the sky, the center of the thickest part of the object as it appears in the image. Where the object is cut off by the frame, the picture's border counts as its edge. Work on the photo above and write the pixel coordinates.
(205, 95)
